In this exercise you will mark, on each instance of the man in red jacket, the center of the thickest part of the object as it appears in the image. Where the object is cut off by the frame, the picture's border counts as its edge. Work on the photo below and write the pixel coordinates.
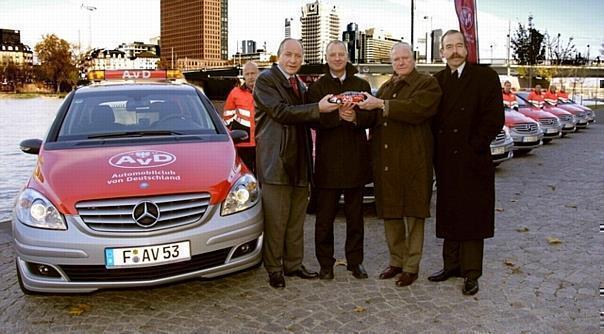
(239, 114)
(550, 96)
(509, 98)
(536, 98)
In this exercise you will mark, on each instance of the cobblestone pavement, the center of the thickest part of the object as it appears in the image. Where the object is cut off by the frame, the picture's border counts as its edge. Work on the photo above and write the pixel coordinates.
(531, 283)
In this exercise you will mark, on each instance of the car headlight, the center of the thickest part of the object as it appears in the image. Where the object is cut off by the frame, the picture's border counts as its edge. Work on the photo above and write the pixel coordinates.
(243, 195)
(33, 209)
(506, 130)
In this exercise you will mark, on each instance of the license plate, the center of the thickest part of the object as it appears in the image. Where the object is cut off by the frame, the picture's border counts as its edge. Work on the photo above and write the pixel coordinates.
(529, 139)
(551, 131)
(147, 256)
(497, 150)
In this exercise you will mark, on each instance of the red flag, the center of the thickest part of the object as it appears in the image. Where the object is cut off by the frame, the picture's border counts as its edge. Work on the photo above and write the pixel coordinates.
(466, 14)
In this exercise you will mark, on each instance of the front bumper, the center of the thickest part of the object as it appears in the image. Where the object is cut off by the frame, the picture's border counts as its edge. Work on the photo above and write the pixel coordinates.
(502, 152)
(77, 255)
(526, 141)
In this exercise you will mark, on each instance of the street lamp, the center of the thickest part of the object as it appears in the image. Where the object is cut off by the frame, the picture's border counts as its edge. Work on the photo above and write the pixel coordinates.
(426, 18)
(90, 9)
(587, 63)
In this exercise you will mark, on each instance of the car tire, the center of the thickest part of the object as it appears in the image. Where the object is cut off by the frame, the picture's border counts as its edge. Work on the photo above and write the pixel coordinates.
(547, 141)
(496, 164)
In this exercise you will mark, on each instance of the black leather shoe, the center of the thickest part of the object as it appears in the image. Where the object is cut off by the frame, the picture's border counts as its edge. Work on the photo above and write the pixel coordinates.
(470, 286)
(390, 272)
(443, 275)
(357, 271)
(276, 280)
(326, 273)
(303, 273)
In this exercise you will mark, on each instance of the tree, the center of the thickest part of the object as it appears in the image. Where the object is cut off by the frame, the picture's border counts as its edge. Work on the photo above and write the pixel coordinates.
(56, 61)
(527, 44)
(557, 52)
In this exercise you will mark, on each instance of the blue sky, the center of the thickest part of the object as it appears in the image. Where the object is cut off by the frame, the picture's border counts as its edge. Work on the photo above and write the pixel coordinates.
(117, 21)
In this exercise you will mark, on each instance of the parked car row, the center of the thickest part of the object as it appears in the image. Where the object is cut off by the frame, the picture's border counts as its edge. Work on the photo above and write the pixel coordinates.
(527, 127)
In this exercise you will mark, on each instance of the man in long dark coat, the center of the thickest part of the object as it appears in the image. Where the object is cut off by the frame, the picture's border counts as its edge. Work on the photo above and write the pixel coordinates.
(470, 116)
(402, 146)
(341, 165)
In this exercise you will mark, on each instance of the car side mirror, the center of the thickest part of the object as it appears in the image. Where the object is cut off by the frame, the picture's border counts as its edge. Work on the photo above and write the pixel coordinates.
(239, 136)
(515, 108)
(31, 146)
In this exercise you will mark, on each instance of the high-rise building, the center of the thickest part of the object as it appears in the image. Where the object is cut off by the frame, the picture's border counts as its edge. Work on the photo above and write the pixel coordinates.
(357, 43)
(193, 30)
(248, 46)
(435, 54)
(320, 25)
(292, 28)
(379, 44)
(224, 29)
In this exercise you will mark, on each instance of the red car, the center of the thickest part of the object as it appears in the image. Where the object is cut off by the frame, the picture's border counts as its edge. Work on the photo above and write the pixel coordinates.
(555, 121)
(348, 97)
(525, 131)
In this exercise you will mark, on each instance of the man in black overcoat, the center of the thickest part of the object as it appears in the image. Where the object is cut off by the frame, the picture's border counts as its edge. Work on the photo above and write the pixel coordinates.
(469, 117)
(341, 165)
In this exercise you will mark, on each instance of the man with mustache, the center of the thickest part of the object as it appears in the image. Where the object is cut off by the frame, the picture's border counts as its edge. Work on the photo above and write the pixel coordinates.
(469, 117)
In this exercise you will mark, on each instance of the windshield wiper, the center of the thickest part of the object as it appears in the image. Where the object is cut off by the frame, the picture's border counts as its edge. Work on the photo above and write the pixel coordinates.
(146, 133)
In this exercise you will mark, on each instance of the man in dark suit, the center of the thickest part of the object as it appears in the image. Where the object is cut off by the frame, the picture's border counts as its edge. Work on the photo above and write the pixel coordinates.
(341, 165)
(470, 116)
(283, 161)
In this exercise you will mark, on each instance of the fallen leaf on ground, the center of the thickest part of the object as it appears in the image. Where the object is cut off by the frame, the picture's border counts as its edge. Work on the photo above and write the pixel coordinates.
(552, 187)
(509, 263)
(499, 209)
(516, 270)
(513, 200)
(359, 309)
(79, 309)
(522, 229)
(553, 241)
(574, 206)
(341, 263)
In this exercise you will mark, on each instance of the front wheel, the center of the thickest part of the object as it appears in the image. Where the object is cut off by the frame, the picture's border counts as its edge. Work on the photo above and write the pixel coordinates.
(547, 140)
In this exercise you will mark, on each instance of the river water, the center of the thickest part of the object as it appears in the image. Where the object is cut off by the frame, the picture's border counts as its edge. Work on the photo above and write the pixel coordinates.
(20, 119)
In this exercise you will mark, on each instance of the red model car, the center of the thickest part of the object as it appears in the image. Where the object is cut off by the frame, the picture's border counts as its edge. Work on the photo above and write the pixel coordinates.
(348, 97)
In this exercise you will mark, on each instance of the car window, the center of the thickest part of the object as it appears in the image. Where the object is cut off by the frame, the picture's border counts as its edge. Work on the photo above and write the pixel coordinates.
(104, 113)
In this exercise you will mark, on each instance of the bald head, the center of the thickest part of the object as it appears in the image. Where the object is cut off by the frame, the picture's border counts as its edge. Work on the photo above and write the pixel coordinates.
(250, 72)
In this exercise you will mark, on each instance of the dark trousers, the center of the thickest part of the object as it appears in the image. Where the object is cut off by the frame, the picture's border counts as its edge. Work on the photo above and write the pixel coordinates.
(327, 208)
(464, 255)
(248, 155)
(284, 212)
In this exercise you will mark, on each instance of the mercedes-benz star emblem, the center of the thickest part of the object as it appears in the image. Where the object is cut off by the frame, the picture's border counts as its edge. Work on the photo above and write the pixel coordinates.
(145, 214)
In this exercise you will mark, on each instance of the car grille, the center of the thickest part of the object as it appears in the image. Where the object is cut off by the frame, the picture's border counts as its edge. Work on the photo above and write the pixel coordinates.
(529, 128)
(500, 138)
(567, 118)
(116, 215)
(78, 273)
(548, 121)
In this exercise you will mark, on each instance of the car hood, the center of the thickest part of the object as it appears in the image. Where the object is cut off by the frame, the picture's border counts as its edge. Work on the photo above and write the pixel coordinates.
(535, 113)
(67, 176)
(570, 108)
(513, 117)
(556, 110)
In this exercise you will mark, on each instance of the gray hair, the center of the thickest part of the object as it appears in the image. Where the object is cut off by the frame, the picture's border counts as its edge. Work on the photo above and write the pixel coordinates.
(285, 41)
(336, 41)
(402, 45)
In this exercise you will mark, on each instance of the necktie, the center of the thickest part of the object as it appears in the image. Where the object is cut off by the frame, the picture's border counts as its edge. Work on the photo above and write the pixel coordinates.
(294, 83)
(455, 75)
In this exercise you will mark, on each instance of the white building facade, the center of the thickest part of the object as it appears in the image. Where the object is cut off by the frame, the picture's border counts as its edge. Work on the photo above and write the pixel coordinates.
(320, 25)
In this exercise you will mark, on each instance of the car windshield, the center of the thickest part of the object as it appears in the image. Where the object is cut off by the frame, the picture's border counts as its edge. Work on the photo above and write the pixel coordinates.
(136, 112)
